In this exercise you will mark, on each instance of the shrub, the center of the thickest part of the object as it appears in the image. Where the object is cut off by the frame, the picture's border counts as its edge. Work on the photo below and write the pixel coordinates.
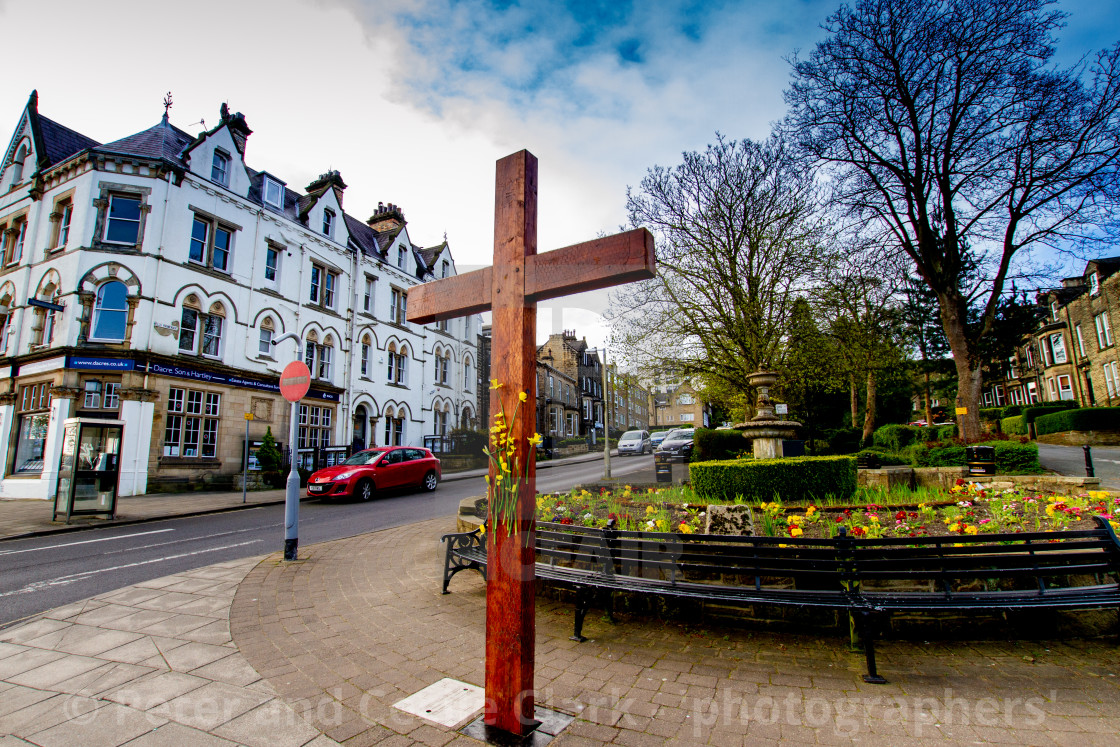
(1031, 414)
(886, 458)
(944, 432)
(1016, 425)
(1016, 458)
(1084, 419)
(576, 441)
(1012, 410)
(794, 479)
(268, 454)
(712, 444)
(991, 413)
(843, 440)
(894, 438)
(1012, 457)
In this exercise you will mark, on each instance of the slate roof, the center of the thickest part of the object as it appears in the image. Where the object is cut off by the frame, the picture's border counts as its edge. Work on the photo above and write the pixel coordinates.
(164, 140)
(60, 142)
(364, 237)
(428, 256)
(1106, 266)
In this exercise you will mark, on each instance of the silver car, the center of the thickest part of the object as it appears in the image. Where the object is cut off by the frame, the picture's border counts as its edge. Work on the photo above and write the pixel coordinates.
(635, 442)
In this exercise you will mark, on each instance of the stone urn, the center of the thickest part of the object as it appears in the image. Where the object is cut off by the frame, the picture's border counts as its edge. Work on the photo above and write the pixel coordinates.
(765, 429)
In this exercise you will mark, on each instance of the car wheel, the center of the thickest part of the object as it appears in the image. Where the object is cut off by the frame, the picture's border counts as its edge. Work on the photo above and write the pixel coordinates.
(364, 491)
(431, 480)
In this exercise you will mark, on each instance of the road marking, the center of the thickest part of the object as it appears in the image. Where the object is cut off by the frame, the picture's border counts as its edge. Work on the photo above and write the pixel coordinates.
(65, 580)
(86, 542)
(181, 541)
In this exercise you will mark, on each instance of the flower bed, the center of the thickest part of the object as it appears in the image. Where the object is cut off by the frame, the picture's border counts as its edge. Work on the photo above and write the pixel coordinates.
(966, 509)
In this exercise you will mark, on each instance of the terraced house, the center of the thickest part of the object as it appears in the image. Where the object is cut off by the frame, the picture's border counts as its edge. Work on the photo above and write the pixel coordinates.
(146, 279)
(1072, 355)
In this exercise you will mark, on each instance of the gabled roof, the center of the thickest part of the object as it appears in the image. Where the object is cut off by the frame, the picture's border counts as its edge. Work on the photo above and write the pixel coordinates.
(428, 256)
(60, 142)
(362, 236)
(164, 140)
(1106, 266)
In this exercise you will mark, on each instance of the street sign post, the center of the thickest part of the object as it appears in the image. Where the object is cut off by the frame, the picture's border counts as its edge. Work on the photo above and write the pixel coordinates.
(295, 380)
(245, 464)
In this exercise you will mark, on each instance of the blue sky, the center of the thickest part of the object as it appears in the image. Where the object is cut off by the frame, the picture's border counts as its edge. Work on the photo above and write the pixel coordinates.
(414, 100)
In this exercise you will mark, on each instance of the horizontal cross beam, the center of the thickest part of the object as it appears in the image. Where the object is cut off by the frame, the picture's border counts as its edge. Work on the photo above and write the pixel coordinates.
(591, 265)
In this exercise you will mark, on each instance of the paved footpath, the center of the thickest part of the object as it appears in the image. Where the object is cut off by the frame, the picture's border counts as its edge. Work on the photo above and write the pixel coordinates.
(316, 652)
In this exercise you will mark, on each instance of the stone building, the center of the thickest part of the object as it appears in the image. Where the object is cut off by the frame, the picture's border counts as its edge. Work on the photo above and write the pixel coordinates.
(628, 401)
(145, 279)
(558, 403)
(1072, 355)
(678, 405)
(575, 360)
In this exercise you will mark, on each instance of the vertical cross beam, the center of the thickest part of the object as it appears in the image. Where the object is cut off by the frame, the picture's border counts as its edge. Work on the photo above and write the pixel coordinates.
(510, 593)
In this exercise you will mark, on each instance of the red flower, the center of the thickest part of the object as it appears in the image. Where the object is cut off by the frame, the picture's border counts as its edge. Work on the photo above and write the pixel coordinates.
(612, 516)
(960, 481)
(858, 531)
(566, 520)
(839, 519)
(901, 515)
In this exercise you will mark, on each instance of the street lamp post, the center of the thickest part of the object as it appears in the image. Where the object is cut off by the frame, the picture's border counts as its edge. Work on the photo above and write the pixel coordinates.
(291, 494)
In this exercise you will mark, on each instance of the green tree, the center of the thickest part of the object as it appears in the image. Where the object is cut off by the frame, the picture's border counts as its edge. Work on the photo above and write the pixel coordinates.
(810, 369)
(738, 234)
(268, 454)
(950, 130)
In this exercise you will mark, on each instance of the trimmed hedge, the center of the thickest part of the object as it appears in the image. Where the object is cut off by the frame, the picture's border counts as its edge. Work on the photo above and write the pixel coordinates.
(1012, 458)
(1083, 419)
(793, 479)
(894, 438)
(886, 458)
(712, 444)
(1031, 414)
(1012, 410)
(1014, 426)
(991, 413)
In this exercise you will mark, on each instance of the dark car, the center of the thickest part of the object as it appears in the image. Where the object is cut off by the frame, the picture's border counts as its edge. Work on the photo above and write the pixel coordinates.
(658, 437)
(678, 443)
(373, 470)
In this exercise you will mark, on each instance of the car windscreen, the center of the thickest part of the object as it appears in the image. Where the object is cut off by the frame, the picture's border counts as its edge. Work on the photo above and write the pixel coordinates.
(631, 436)
(364, 457)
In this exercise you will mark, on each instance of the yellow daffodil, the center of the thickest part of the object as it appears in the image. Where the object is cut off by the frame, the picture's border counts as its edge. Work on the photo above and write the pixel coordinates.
(535, 440)
(495, 384)
(523, 396)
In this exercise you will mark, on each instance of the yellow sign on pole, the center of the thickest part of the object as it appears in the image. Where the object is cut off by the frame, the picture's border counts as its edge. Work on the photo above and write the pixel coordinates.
(962, 410)
(248, 416)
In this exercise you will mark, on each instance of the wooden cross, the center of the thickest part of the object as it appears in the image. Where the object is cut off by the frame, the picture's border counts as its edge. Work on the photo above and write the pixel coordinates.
(511, 288)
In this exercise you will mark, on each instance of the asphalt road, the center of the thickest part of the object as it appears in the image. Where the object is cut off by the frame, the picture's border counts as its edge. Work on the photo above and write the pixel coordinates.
(41, 573)
(1070, 460)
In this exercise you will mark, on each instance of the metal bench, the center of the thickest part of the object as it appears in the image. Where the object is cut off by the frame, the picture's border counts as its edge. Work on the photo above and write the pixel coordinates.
(869, 579)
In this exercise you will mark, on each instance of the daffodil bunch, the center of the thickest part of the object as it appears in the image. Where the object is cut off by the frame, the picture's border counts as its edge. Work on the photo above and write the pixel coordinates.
(510, 467)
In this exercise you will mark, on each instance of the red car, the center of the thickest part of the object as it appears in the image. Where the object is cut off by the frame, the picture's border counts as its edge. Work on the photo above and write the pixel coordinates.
(371, 470)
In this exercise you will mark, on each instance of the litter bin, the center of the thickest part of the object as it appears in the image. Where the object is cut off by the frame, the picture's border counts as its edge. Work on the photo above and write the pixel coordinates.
(663, 467)
(981, 460)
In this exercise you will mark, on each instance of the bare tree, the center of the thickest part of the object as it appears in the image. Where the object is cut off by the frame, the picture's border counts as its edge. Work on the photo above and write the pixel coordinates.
(738, 233)
(951, 130)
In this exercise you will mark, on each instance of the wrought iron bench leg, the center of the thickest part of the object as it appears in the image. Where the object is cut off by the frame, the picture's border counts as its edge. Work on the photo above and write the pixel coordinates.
(582, 602)
(867, 624)
(451, 564)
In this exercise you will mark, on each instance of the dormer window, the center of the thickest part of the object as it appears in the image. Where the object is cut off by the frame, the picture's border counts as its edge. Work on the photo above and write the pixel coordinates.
(219, 172)
(273, 193)
(401, 253)
(1094, 284)
(446, 268)
(1054, 310)
(328, 222)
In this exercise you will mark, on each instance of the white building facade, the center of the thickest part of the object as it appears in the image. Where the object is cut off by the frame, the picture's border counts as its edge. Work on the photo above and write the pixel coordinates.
(145, 279)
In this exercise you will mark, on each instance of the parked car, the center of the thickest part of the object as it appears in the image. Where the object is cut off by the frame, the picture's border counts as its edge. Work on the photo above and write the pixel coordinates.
(635, 442)
(373, 470)
(678, 443)
(657, 438)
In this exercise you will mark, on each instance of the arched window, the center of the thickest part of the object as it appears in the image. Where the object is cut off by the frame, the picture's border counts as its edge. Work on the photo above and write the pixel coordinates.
(110, 313)
(394, 426)
(46, 320)
(398, 365)
(17, 164)
(366, 347)
(264, 346)
(199, 333)
(326, 353)
(468, 375)
(466, 419)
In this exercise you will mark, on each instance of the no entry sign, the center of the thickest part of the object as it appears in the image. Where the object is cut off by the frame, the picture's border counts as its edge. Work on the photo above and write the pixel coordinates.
(295, 380)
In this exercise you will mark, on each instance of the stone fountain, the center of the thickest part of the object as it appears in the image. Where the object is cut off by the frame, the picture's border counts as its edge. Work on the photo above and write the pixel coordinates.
(765, 430)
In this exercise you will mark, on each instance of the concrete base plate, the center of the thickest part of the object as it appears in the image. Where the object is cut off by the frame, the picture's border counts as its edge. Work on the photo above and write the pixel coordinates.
(447, 702)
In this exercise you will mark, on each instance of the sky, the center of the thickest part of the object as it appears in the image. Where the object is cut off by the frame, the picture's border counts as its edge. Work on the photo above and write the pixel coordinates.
(414, 100)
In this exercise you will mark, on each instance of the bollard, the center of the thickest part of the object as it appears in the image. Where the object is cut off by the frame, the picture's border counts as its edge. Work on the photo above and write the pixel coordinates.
(1088, 461)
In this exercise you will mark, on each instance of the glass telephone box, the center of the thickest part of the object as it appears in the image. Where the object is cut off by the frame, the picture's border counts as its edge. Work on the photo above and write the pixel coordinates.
(88, 468)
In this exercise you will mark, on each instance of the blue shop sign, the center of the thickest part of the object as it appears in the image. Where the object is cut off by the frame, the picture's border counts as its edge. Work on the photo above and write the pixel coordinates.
(209, 377)
(100, 364)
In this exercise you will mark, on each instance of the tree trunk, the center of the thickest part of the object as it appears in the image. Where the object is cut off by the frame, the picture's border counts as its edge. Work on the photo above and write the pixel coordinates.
(869, 410)
(855, 401)
(929, 407)
(970, 379)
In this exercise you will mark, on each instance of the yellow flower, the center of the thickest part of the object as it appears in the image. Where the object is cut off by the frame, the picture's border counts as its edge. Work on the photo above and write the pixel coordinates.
(482, 529)
(954, 527)
(497, 479)
(650, 510)
(523, 396)
(685, 528)
(795, 532)
(535, 440)
(662, 525)
(971, 529)
(495, 384)
(874, 519)
(810, 511)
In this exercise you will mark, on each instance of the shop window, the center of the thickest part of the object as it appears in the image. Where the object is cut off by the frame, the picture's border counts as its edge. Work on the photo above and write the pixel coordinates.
(34, 420)
(191, 430)
(110, 313)
(314, 431)
(101, 395)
